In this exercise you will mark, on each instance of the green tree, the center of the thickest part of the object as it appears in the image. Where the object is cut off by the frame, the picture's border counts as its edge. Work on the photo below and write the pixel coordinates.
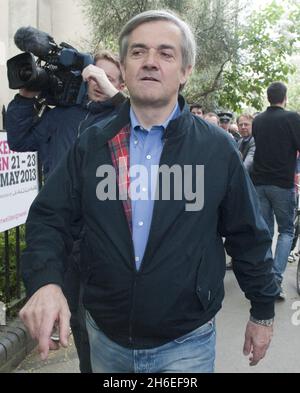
(213, 22)
(294, 86)
(266, 43)
(238, 56)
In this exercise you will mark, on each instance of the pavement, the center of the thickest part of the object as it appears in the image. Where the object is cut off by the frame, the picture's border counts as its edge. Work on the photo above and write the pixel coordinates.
(63, 361)
(283, 355)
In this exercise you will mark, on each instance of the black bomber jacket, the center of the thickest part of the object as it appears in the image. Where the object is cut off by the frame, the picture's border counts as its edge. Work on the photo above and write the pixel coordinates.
(179, 286)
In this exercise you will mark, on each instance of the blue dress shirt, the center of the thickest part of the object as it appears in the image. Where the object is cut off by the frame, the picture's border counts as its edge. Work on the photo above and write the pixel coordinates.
(145, 151)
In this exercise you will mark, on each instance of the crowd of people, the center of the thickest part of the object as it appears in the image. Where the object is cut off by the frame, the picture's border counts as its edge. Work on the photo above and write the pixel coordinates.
(269, 143)
(141, 279)
(241, 130)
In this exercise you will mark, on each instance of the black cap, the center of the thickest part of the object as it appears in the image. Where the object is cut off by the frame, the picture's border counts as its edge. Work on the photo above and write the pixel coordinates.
(225, 117)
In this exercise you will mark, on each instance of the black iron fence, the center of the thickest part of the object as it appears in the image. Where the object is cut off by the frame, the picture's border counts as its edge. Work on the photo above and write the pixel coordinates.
(11, 288)
(12, 242)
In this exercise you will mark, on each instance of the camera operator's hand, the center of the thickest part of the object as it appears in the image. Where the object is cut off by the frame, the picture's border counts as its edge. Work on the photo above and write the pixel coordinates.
(101, 87)
(28, 94)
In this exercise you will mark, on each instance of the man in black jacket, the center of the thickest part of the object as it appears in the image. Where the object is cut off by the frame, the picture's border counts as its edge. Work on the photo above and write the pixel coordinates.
(277, 138)
(156, 190)
(52, 135)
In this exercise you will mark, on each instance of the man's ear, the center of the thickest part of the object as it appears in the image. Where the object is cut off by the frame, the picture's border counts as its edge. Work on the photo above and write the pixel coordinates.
(122, 68)
(186, 74)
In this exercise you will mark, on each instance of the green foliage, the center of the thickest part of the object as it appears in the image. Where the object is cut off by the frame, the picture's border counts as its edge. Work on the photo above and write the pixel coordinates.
(108, 18)
(236, 60)
(265, 44)
(12, 261)
(213, 22)
(294, 87)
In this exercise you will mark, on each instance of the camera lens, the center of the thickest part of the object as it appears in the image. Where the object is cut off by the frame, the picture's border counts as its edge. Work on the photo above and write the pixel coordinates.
(25, 74)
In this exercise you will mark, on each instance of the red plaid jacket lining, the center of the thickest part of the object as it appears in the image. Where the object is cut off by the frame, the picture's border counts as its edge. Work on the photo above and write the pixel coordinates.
(119, 149)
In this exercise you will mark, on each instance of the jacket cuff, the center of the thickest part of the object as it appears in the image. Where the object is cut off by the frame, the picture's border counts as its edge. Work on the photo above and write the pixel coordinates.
(42, 278)
(118, 99)
(261, 310)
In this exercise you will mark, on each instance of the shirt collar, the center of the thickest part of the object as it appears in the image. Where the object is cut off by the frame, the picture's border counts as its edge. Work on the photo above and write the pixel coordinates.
(246, 138)
(135, 123)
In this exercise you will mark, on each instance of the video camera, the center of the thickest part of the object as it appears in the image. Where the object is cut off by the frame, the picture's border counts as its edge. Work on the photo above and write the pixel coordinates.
(56, 73)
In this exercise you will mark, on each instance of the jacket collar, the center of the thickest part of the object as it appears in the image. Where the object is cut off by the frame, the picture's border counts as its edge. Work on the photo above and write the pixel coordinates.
(274, 108)
(176, 128)
(97, 107)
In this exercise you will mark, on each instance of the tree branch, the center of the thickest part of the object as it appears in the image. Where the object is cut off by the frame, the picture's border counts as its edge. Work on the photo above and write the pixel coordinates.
(214, 85)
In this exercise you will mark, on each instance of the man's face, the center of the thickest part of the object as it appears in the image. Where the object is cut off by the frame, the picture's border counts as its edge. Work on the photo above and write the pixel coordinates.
(152, 69)
(197, 112)
(225, 124)
(212, 119)
(113, 74)
(245, 127)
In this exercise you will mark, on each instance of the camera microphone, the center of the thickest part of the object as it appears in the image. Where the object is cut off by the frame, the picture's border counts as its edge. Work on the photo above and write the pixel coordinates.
(29, 39)
(56, 72)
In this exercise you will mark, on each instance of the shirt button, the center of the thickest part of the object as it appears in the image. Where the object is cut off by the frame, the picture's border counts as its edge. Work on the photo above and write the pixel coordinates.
(144, 189)
(137, 259)
(149, 157)
(136, 142)
(141, 223)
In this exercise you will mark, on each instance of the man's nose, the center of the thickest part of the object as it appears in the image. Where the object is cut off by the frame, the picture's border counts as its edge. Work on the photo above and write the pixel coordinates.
(151, 59)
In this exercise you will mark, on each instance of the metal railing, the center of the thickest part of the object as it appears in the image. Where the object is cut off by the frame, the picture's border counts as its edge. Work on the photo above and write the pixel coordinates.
(12, 292)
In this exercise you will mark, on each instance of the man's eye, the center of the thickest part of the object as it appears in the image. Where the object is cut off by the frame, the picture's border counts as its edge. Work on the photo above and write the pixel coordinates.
(166, 55)
(138, 52)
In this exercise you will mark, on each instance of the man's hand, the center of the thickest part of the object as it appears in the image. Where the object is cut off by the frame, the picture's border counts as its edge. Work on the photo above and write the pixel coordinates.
(46, 307)
(257, 341)
(97, 74)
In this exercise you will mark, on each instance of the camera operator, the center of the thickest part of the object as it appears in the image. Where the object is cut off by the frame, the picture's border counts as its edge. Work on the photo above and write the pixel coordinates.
(51, 135)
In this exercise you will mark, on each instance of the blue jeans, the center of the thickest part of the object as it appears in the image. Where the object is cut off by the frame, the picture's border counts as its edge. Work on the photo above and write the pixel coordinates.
(191, 353)
(280, 202)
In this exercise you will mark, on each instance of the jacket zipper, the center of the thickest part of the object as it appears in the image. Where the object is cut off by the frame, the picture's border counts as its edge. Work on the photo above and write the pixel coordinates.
(136, 273)
(162, 153)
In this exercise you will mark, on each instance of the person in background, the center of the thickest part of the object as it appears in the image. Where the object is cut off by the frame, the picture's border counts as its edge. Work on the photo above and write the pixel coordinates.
(234, 131)
(197, 110)
(52, 135)
(276, 133)
(212, 117)
(225, 120)
(246, 144)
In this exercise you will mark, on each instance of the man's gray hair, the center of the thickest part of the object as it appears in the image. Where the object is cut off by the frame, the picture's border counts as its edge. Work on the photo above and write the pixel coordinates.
(188, 44)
